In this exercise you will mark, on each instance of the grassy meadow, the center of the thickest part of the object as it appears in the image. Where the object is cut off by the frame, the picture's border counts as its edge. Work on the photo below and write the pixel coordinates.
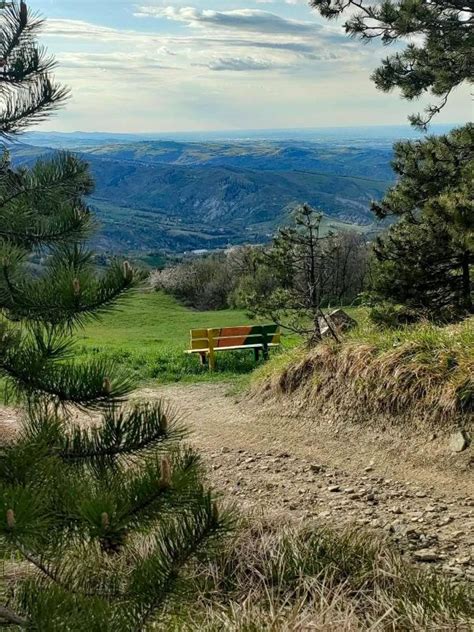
(148, 334)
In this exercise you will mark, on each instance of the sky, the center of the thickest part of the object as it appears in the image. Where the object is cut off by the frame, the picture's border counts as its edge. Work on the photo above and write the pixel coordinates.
(164, 66)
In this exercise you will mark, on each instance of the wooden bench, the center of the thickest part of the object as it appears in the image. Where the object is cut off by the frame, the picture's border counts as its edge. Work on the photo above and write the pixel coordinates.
(207, 342)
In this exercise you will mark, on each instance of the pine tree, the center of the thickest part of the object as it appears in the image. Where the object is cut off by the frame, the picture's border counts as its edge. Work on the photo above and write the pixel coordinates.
(443, 59)
(97, 517)
(299, 261)
(426, 259)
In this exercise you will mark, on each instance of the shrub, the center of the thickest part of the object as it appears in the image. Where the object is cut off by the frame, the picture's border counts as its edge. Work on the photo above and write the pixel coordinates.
(203, 283)
(390, 315)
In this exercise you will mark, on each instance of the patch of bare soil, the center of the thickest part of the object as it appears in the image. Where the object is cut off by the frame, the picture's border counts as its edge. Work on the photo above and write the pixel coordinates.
(270, 460)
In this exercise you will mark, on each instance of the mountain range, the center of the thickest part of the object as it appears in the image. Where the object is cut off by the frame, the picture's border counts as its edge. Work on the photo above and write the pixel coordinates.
(163, 194)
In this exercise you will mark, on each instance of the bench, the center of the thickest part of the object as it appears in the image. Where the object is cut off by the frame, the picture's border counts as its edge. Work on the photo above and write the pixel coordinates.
(207, 342)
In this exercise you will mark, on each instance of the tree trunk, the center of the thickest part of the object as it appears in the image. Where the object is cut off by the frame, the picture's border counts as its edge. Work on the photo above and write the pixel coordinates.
(316, 336)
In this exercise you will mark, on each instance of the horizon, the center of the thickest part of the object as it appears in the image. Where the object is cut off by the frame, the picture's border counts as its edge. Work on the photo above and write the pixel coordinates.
(407, 126)
(384, 134)
(134, 67)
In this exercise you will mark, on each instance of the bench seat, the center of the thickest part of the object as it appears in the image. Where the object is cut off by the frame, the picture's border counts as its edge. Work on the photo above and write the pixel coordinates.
(206, 342)
(235, 348)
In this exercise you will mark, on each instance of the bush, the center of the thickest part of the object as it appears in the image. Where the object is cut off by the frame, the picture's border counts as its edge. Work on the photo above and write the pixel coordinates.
(240, 276)
(392, 316)
(204, 283)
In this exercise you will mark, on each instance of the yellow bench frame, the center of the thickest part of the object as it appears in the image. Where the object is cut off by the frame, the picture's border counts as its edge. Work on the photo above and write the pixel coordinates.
(207, 342)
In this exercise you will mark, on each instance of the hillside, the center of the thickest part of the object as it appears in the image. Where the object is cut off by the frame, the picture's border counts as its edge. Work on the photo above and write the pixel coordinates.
(365, 160)
(178, 196)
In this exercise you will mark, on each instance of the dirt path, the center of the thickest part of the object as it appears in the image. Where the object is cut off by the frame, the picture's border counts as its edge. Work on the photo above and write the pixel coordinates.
(276, 462)
(283, 465)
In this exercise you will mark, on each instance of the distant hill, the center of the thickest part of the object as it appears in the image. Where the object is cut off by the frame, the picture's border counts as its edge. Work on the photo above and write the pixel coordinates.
(163, 194)
(347, 160)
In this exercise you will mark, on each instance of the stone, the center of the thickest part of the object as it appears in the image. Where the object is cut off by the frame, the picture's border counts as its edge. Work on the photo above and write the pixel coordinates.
(316, 468)
(459, 441)
(339, 321)
(426, 555)
(334, 488)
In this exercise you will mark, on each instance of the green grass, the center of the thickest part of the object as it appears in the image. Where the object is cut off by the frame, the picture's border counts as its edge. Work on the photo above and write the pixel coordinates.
(417, 372)
(278, 577)
(149, 333)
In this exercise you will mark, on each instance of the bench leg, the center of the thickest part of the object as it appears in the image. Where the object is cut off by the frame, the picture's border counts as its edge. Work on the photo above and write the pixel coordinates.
(257, 354)
(203, 357)
(212, 360)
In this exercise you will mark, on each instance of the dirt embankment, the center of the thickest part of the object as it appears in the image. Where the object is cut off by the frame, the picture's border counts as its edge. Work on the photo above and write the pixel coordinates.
(410, 487)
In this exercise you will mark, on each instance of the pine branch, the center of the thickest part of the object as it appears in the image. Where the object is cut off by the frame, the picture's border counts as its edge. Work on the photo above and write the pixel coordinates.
(17, 27)
(68, 294)
(22, 109)
(28, 93)
(42, 205)
(38, 370)
(123, 433)
(176, 543)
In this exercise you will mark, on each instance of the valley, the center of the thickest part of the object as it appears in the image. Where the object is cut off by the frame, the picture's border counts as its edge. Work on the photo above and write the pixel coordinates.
(165, 195)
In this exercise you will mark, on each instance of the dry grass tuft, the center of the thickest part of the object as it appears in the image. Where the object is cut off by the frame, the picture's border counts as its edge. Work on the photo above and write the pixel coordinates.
(420, 372)
(274, 578)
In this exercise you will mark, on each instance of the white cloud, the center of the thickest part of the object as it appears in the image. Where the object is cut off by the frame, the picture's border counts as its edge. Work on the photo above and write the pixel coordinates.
(239, 64)
(249, 20)
(112, 61)
(190, 68)
(78, 29)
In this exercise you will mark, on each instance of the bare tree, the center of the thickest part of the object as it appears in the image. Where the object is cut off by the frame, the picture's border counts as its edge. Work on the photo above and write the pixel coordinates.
(301, 261)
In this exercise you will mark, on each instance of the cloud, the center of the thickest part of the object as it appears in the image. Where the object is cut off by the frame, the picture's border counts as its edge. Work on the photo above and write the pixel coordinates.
(167, 44)
(239, 64)
(112, 61)
(81, 30)
(249, 20)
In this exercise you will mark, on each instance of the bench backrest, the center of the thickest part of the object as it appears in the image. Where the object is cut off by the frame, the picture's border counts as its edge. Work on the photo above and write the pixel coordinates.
(246, 336)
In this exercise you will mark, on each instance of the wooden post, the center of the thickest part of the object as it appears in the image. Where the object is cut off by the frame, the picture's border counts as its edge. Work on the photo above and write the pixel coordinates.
(212, 353)
(265, 343)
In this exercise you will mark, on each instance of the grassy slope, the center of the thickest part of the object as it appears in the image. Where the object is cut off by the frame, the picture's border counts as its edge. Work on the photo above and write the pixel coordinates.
(149, 333)
(418, 372)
